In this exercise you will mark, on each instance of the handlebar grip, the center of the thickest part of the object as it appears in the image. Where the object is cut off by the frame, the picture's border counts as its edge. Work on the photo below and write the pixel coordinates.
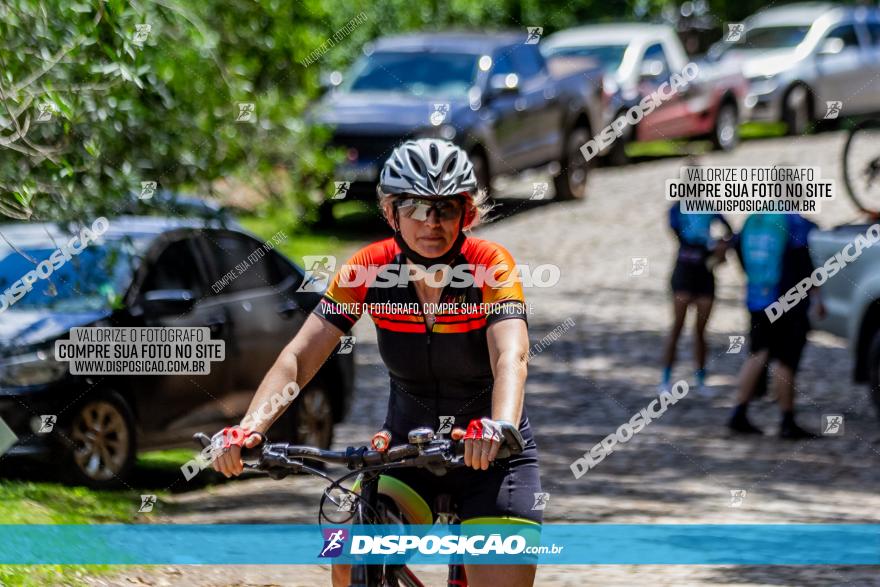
(252, 454)
(512, 444)
(249, 454)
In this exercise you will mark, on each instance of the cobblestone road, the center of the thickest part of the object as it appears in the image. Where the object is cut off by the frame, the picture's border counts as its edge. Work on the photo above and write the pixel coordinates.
(681, 468)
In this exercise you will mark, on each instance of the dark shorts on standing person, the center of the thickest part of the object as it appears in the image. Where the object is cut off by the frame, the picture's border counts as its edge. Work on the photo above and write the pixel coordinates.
(784, 339)
(691, 276)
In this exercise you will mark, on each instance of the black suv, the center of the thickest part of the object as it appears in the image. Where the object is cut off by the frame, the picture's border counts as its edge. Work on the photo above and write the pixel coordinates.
(147, 271)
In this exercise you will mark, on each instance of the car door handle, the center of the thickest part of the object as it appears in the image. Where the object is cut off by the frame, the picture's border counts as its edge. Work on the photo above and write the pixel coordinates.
(288, 307)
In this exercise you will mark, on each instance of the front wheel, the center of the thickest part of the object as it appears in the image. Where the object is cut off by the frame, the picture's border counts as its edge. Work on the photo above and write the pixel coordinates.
(102, 442)
(725, 135)
(796, 110)
(861, 165)
(571, 182)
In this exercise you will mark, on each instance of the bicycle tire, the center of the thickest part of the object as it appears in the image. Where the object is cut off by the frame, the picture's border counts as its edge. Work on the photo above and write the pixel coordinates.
(850, 173)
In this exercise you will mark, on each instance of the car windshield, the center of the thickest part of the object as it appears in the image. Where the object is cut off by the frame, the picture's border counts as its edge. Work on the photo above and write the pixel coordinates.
(606, 56)
(777, 37)
(419, 74)
(95, 279)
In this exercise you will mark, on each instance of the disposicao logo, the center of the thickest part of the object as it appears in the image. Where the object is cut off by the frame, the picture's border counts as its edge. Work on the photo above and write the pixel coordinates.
(334, 542)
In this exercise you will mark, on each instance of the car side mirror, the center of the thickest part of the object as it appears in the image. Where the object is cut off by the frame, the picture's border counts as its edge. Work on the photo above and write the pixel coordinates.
(831, 46)
(168, 302)
(651, 69)
(503, 83)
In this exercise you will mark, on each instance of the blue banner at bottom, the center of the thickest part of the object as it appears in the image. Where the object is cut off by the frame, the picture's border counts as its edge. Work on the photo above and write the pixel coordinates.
(550, 544)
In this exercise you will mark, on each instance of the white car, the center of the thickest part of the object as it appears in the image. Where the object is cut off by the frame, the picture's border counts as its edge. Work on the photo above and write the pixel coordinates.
(807, 62)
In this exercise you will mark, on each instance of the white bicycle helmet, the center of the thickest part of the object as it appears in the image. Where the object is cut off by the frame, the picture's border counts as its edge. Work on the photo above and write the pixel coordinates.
(428, 167)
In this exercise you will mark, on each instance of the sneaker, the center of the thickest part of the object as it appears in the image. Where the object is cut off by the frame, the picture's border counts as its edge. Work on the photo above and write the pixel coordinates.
(794, 432)
(743, 426)
(706, 391)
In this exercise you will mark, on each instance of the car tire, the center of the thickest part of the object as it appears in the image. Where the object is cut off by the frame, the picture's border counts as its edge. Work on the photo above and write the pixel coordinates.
(796, 110)
(874, 370)
(313, 419)
(101, 439)
(616, 155)
(571, 182)
(725, 135)
(481, 171)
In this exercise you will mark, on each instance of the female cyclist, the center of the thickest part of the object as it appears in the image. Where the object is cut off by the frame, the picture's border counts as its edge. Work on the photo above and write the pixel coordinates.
(467, 361)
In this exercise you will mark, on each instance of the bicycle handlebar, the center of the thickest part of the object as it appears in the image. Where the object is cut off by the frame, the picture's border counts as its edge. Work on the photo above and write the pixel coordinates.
(438, 453)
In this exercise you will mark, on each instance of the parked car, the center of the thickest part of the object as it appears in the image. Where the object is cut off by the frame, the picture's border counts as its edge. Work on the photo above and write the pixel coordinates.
(637, 59)
(491, 93)
(852, 301)
(798, 57)
(148, 271)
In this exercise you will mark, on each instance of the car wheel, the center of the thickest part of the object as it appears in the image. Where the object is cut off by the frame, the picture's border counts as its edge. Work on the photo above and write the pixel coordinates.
(101, 434)
(874, 367)
(314, 418)
(617, 153)
(796, 113)
(481, 171)
(571, 183)
(726, 134)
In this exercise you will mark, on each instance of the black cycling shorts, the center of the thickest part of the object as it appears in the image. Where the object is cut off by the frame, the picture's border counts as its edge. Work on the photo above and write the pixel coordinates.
(506, 488)
(693, 278)
(785, 338)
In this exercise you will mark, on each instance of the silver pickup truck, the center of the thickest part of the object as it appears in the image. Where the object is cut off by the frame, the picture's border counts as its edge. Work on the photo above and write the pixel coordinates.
(852, 301)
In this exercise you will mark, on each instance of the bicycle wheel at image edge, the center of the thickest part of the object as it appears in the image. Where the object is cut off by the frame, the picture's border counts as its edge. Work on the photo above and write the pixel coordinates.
(861, 166)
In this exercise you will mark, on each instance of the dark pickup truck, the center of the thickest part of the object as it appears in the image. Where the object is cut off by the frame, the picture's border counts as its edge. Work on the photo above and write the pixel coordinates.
(493, 94)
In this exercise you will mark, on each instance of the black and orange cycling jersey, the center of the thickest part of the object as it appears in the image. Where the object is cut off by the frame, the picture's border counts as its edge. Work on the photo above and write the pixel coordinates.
(439, 371)
(443, 371)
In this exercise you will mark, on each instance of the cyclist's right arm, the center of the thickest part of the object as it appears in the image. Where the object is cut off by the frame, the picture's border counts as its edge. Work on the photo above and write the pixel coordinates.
(298, 362)
(301, 359)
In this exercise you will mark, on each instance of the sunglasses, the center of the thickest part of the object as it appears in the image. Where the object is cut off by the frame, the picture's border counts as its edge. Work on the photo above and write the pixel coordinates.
(418, 209)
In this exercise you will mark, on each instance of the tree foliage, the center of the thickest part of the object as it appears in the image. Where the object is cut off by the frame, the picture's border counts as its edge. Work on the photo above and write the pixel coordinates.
(98, 96)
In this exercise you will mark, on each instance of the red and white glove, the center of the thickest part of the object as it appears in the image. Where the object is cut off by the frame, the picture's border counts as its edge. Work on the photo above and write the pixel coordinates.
(482, 441)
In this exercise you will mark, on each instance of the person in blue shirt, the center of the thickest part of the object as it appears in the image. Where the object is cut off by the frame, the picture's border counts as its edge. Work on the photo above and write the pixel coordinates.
(774, 254)
(693, 283)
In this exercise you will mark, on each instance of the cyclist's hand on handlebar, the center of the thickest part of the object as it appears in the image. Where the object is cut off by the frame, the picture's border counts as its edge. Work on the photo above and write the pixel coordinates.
(228, 443)
(482, 442)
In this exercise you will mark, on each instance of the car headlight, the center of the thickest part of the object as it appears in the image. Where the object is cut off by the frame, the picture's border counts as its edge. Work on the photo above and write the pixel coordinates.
(35, 368)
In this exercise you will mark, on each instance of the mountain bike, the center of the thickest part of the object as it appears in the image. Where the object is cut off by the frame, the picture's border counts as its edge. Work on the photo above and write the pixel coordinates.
(861, 166)
(369, 504)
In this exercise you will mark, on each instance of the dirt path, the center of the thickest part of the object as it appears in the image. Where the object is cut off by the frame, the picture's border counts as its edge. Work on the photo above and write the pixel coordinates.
(678, 470)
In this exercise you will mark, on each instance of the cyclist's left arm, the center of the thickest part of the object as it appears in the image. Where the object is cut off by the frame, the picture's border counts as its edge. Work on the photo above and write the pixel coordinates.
(508, 352)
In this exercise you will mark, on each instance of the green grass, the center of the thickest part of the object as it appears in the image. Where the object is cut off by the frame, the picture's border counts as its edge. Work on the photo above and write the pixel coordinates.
(762, 130)
(678, 148)
(166, 460)
(23, 502)
(26, 502)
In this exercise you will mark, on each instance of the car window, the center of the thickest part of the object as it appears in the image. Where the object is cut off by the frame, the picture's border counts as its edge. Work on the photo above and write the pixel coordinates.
(175, 268)
(504, 62)
(419, 74)
(528, 61)
(847, 33)
(240, 263)
(655, 52)
(874, 30)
